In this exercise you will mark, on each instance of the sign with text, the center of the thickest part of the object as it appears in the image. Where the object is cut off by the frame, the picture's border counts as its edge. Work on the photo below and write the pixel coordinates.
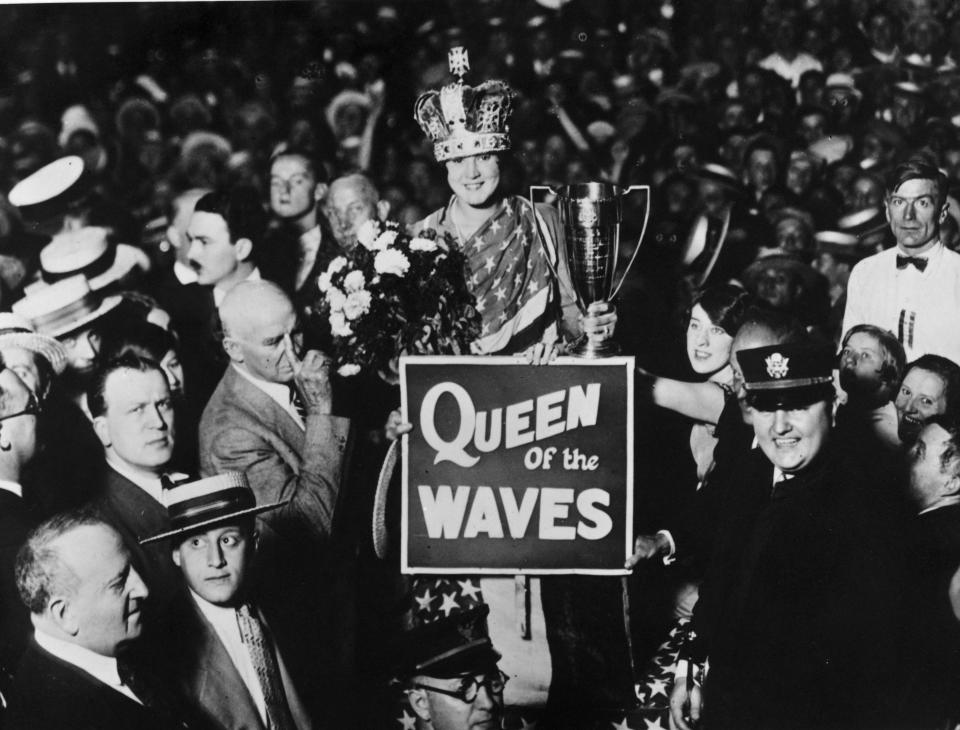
(512, 468)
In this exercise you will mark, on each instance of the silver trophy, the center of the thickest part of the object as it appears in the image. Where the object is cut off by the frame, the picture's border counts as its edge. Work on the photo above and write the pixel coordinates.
(590, 214)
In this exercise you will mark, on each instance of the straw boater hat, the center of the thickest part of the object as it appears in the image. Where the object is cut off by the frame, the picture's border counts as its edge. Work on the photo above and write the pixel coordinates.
(840, 245)
(16, 331)
(201, 504)
(791, 375)
(50, 189)
(64, 307)
(88, 251)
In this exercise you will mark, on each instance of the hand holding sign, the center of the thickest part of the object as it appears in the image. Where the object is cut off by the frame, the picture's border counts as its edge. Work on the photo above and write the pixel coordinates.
(312, 378)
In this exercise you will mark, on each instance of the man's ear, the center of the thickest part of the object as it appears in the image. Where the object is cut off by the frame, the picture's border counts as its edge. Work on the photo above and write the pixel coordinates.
(102, 431)
(60, 613)
(233, 350)
(951, 487)
(383, 209)
(320, 192)
(943, 211)
(886, 208)
(419, 703)
(242, 249)
(175, 554)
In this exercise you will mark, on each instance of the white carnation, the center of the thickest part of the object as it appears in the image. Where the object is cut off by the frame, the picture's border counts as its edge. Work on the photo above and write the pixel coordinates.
(391, 261)
(354, 281)
(336, 299)
(336, 265)
(367, 233)
(339, 326)
(385, 240)
(323, 281)
(423, 244)
(348, 369)
(357, 304)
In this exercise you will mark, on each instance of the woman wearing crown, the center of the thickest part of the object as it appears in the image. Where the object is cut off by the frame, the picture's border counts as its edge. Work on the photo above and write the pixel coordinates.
(524, 308)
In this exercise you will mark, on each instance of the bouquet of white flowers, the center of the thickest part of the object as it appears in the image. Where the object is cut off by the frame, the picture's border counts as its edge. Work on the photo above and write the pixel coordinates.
(397, 294)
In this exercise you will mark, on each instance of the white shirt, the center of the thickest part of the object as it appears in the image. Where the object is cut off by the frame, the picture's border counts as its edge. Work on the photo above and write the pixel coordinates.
(11, 487)
(309, 246)
(224, 622)
(219, 292)
(102, 668)
(921, 309)
(277, 392)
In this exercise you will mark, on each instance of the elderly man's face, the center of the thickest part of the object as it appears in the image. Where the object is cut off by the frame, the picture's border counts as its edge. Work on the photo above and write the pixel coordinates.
(914, 215)
(922, 394)
(450, 713)
(138, 426)
(792, 438)
(930, 478)
(348, 207)
(261, 342)
(105, 605)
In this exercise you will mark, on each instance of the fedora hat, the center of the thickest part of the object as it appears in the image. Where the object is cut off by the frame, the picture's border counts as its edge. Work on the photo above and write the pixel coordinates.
(64, 307)
(202, 503)
(790, 375)
(88, 251)
(17, 331)
(50, 190)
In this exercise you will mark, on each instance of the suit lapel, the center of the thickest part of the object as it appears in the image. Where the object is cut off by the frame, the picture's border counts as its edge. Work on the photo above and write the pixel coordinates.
(268, 412)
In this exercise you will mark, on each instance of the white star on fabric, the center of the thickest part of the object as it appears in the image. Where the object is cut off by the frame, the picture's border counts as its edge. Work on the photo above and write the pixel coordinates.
(407, 721)
(502, 318)
(480, 305)
(532, 287)
(501, 294)
(449, 603)
(518, 279)
(469, 589)
(489, 263)
(424, 603)
(657, 687)
(495, 227)
(473, 280)
(653, 724)
(620, 725)
(505, 245)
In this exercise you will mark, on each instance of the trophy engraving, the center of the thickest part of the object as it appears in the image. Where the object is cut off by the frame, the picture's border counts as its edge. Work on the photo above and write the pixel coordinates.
(590, 214)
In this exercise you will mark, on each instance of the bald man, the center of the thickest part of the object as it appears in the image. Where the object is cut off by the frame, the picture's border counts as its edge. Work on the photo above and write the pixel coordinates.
(352, 201)
(269, 417)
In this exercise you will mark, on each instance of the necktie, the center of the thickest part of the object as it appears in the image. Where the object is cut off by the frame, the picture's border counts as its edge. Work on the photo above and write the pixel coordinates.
(918, 261)
(265, 663)
(152, 696)
(297, 402)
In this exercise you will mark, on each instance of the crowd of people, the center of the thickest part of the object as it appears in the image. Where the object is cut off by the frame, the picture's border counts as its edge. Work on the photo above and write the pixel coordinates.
(187, 484)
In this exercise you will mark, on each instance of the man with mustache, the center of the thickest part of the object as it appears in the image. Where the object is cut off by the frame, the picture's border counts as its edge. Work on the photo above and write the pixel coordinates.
(912, 289)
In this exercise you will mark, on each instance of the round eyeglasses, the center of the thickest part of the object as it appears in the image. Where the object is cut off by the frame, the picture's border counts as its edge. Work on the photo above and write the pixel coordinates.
(470, 686)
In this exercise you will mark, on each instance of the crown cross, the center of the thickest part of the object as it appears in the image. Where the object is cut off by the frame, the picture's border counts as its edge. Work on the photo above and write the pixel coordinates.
(459, 62)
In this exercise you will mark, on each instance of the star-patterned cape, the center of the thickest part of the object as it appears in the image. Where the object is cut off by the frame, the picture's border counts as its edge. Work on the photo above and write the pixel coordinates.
(507, 271)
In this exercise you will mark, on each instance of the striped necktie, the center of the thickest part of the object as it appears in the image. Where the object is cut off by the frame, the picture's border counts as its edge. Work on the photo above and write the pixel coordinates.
(260, 649)
(297, 402)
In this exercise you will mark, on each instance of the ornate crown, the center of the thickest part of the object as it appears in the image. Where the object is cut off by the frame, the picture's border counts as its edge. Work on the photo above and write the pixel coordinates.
(465, 120)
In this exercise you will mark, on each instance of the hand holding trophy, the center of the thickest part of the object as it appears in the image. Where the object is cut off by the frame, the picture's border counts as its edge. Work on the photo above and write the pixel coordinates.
(590, 214)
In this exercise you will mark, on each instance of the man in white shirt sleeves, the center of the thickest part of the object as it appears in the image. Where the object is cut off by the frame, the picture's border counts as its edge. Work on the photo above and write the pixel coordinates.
(913, 289)
(224, 656)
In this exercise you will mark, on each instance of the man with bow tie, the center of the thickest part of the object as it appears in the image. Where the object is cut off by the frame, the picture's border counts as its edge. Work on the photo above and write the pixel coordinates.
(913, 290)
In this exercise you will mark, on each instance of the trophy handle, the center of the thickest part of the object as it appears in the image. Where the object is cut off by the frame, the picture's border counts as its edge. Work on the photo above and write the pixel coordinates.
(541, 239)
(643, 232)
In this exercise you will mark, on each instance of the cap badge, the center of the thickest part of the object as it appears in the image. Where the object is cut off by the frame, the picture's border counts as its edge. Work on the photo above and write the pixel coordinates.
(777, 365)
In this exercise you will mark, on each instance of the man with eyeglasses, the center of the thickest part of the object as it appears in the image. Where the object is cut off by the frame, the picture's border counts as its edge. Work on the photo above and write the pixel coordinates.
(18, 444)
(913, 289)
(448, 671)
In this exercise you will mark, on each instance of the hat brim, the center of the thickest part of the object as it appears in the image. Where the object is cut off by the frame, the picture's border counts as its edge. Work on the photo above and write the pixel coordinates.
(808, 275)
(126, 259)
(476, 656)
(108, 304)
(379, 526)
(189, 529)
(774, 399)
(45, 346)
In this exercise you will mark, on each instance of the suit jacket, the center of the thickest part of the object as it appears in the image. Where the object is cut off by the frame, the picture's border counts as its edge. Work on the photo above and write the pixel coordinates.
(243, 429)
(136, 515)
(51, 694)
(207, 675)
(872, 298)
(801, 605)
(15, 626)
